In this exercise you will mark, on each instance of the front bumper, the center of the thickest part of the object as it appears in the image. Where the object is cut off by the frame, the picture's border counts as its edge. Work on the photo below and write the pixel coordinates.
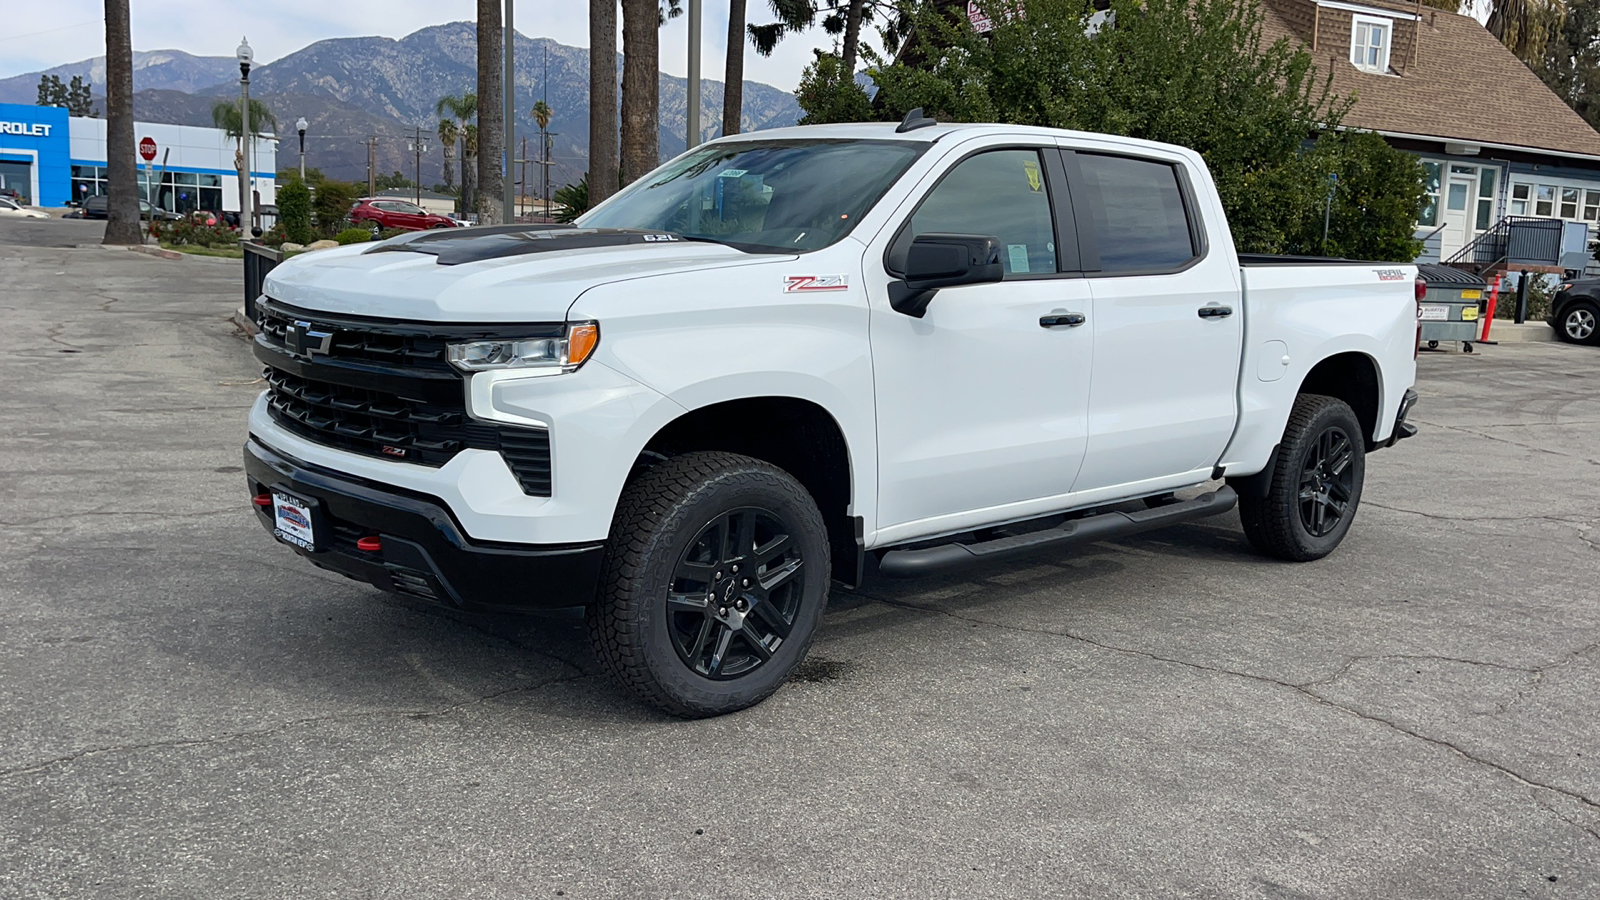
(424, 553)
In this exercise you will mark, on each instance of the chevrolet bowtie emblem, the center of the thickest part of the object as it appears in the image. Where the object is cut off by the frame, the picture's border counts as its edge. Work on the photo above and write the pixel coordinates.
(303, 338)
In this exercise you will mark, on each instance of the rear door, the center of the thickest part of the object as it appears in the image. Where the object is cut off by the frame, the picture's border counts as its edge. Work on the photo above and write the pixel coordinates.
(1167, 320)
(982, 402)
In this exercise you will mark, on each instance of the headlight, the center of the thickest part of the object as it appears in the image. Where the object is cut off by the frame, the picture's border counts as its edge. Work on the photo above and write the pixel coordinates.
(560, 354)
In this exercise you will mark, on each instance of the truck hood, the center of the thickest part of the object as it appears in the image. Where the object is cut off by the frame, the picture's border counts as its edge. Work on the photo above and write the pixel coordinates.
(505, 274)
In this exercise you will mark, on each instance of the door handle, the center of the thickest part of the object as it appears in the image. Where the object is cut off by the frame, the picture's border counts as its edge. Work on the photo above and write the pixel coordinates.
(1071, 320)
(1215, 312)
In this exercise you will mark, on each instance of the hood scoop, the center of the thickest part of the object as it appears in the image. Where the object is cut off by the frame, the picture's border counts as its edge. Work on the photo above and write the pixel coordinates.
(456, 247)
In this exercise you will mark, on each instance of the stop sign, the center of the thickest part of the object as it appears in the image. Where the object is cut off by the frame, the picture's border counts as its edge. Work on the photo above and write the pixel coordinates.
(147, 149)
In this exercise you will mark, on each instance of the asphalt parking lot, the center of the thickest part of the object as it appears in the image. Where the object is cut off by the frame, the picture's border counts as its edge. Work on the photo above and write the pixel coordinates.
(187, 710)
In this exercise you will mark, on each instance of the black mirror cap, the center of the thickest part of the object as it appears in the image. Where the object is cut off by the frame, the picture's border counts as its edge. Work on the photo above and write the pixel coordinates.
(936, 261)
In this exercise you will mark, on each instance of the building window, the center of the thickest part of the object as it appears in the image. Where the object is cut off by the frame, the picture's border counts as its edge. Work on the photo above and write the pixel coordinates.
(1569, 203)
(1486, 176)
(1430, 197)
(1544, 202)
(1519, 198)
(1591, 206)
(1369, 46)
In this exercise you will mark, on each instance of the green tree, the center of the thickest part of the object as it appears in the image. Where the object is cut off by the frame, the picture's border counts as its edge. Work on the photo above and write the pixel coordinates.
(1526, 26)
(828, 93)
(1571, 63)
(1188, 72)
(462, 113)
(573, 198)
(332, 205)
(395, 182)
(294, 210)
(226, 115)
(75, 96)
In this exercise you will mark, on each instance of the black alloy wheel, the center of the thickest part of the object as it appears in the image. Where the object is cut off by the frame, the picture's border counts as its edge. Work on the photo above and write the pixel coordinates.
(734, 594)
(715, 580)
(1327, 482)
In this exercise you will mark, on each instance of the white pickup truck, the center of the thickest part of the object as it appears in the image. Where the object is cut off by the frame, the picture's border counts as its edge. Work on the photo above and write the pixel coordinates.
(784, 355)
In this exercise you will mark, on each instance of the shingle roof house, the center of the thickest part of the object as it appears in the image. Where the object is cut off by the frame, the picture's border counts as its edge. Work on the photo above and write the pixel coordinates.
(1495, 139)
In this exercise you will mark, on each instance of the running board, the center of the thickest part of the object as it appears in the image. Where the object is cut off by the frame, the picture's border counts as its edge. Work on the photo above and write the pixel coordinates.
(1102, 527)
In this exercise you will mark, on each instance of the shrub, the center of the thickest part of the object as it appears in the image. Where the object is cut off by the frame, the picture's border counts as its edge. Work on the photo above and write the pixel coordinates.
(387, 233)
(332, 205)
(294, 211)
(354, 236)
(276, 235)
(186, 231)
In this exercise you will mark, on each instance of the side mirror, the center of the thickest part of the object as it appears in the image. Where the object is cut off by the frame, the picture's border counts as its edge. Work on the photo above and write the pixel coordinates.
(937, 261)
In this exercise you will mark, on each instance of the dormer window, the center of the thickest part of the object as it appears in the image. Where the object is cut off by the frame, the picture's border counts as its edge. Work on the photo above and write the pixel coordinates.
(1369, 44)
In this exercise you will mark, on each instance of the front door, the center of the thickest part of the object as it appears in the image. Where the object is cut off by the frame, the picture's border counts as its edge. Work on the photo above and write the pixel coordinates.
(1167, 325)
(1457, 220)
(982, 402)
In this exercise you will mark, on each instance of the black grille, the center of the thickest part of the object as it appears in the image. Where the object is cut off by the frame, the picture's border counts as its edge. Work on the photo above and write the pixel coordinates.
(393, 346)
(385, 389)
(377, 423)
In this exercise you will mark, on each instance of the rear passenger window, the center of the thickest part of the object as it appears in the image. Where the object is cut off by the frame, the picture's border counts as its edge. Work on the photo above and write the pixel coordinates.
(1139, 215)
(1000, 193)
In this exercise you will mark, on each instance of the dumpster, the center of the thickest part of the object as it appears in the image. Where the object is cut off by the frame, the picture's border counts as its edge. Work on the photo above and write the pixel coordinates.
(1451, 306)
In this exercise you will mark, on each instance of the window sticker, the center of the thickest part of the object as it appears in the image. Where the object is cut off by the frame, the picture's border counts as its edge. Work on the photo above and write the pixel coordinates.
(1019, 257)
(1035, 181)
(731, 173)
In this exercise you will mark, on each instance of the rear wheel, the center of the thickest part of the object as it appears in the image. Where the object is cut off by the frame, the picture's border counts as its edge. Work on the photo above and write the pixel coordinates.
(374, 226)
(1316, 483)
(1578, 323)
(715, 580)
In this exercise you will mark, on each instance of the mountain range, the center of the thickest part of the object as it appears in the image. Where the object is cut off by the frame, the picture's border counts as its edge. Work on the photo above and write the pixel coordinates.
(350, 89)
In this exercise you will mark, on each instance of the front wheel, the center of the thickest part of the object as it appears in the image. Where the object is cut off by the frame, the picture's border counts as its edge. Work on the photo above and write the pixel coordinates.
(1316, 483)
(715, 579)
(1578, 324)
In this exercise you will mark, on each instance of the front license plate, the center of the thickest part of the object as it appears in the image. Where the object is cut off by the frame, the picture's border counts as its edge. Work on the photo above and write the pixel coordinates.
(1435, 314)
(291, 521)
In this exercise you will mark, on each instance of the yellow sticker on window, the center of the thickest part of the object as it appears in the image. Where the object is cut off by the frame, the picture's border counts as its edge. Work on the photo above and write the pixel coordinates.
(1470, 313)
(1035, 182)
(1472, 295)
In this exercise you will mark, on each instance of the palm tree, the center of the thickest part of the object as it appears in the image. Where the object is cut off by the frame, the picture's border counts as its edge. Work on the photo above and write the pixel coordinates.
(491, 116)
(449, 133)
(733, 72)
(573, 199)
(225, 116)
(469, 167)
(541, 117)
(603, 97)
(122, 202)
(464, 108)
(641, 87)
(541, 114)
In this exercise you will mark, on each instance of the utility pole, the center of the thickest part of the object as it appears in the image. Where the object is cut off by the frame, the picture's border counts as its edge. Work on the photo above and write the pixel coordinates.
(545, 138)
(692, 138)
(372, 165)
(418, 149)
(524, 181)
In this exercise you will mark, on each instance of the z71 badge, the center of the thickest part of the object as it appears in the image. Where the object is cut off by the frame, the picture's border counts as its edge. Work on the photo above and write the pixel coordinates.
(808, 284)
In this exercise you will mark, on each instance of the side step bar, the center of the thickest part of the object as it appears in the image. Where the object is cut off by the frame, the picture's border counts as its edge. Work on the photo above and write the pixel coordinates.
(1103, 527)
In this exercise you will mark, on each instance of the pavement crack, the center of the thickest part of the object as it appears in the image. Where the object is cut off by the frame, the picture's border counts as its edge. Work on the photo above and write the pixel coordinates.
(102, 511)
(227, 736)
(1491, 437)
(1302, 689)
(1566, 520)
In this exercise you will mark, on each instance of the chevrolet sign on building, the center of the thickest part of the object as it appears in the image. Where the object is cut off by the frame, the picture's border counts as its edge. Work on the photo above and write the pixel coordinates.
(50, 158)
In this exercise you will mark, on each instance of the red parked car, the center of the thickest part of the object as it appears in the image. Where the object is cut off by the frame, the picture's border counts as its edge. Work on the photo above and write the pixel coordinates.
(379, 213)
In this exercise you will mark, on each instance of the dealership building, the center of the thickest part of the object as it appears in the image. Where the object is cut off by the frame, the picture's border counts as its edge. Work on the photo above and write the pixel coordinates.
(50, 158)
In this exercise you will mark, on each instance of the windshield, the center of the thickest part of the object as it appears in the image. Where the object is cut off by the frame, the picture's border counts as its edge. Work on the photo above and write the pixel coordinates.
(764, 196)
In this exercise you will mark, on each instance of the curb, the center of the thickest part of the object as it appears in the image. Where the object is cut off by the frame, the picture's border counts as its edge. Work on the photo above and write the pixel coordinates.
(149, 250)
(243, 322)
(1526, 333)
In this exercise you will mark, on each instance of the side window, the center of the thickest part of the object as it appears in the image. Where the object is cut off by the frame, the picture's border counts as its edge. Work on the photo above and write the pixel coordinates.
(1000, 193)
(1139, 215)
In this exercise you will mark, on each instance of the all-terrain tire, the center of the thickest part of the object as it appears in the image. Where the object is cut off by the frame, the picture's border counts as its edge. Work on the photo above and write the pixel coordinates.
(1283, 523)
(663, 520)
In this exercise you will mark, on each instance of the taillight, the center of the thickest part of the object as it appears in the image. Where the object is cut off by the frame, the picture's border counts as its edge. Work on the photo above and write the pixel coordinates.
(1420, 292)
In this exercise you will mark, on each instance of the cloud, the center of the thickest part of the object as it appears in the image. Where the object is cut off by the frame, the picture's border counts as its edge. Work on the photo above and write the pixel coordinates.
(41, 35)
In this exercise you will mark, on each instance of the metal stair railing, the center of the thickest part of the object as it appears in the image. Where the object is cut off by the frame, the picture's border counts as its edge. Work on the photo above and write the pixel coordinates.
(1512, 241)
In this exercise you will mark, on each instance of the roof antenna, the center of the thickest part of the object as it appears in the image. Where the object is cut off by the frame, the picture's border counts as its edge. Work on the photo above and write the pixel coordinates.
(914, 120)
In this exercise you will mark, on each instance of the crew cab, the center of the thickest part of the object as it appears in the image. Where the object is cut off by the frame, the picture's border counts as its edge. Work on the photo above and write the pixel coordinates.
(783, 358)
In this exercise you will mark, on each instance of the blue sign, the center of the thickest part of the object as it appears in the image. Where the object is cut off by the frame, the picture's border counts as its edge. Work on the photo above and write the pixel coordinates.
(38, 137)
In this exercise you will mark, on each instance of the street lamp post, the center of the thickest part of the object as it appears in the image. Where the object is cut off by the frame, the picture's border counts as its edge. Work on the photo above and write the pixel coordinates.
(692, 133)
(246, 214)
(300, 126)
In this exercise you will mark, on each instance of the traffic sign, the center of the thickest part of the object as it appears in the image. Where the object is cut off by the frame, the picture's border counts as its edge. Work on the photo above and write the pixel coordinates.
(147, 149)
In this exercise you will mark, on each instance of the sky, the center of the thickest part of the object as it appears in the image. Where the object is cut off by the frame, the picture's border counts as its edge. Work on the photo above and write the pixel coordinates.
(40, 35)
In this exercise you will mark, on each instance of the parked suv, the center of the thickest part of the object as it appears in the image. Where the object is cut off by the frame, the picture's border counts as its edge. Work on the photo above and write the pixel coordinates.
(380, 214)
(96, 208)
(1575, 311)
